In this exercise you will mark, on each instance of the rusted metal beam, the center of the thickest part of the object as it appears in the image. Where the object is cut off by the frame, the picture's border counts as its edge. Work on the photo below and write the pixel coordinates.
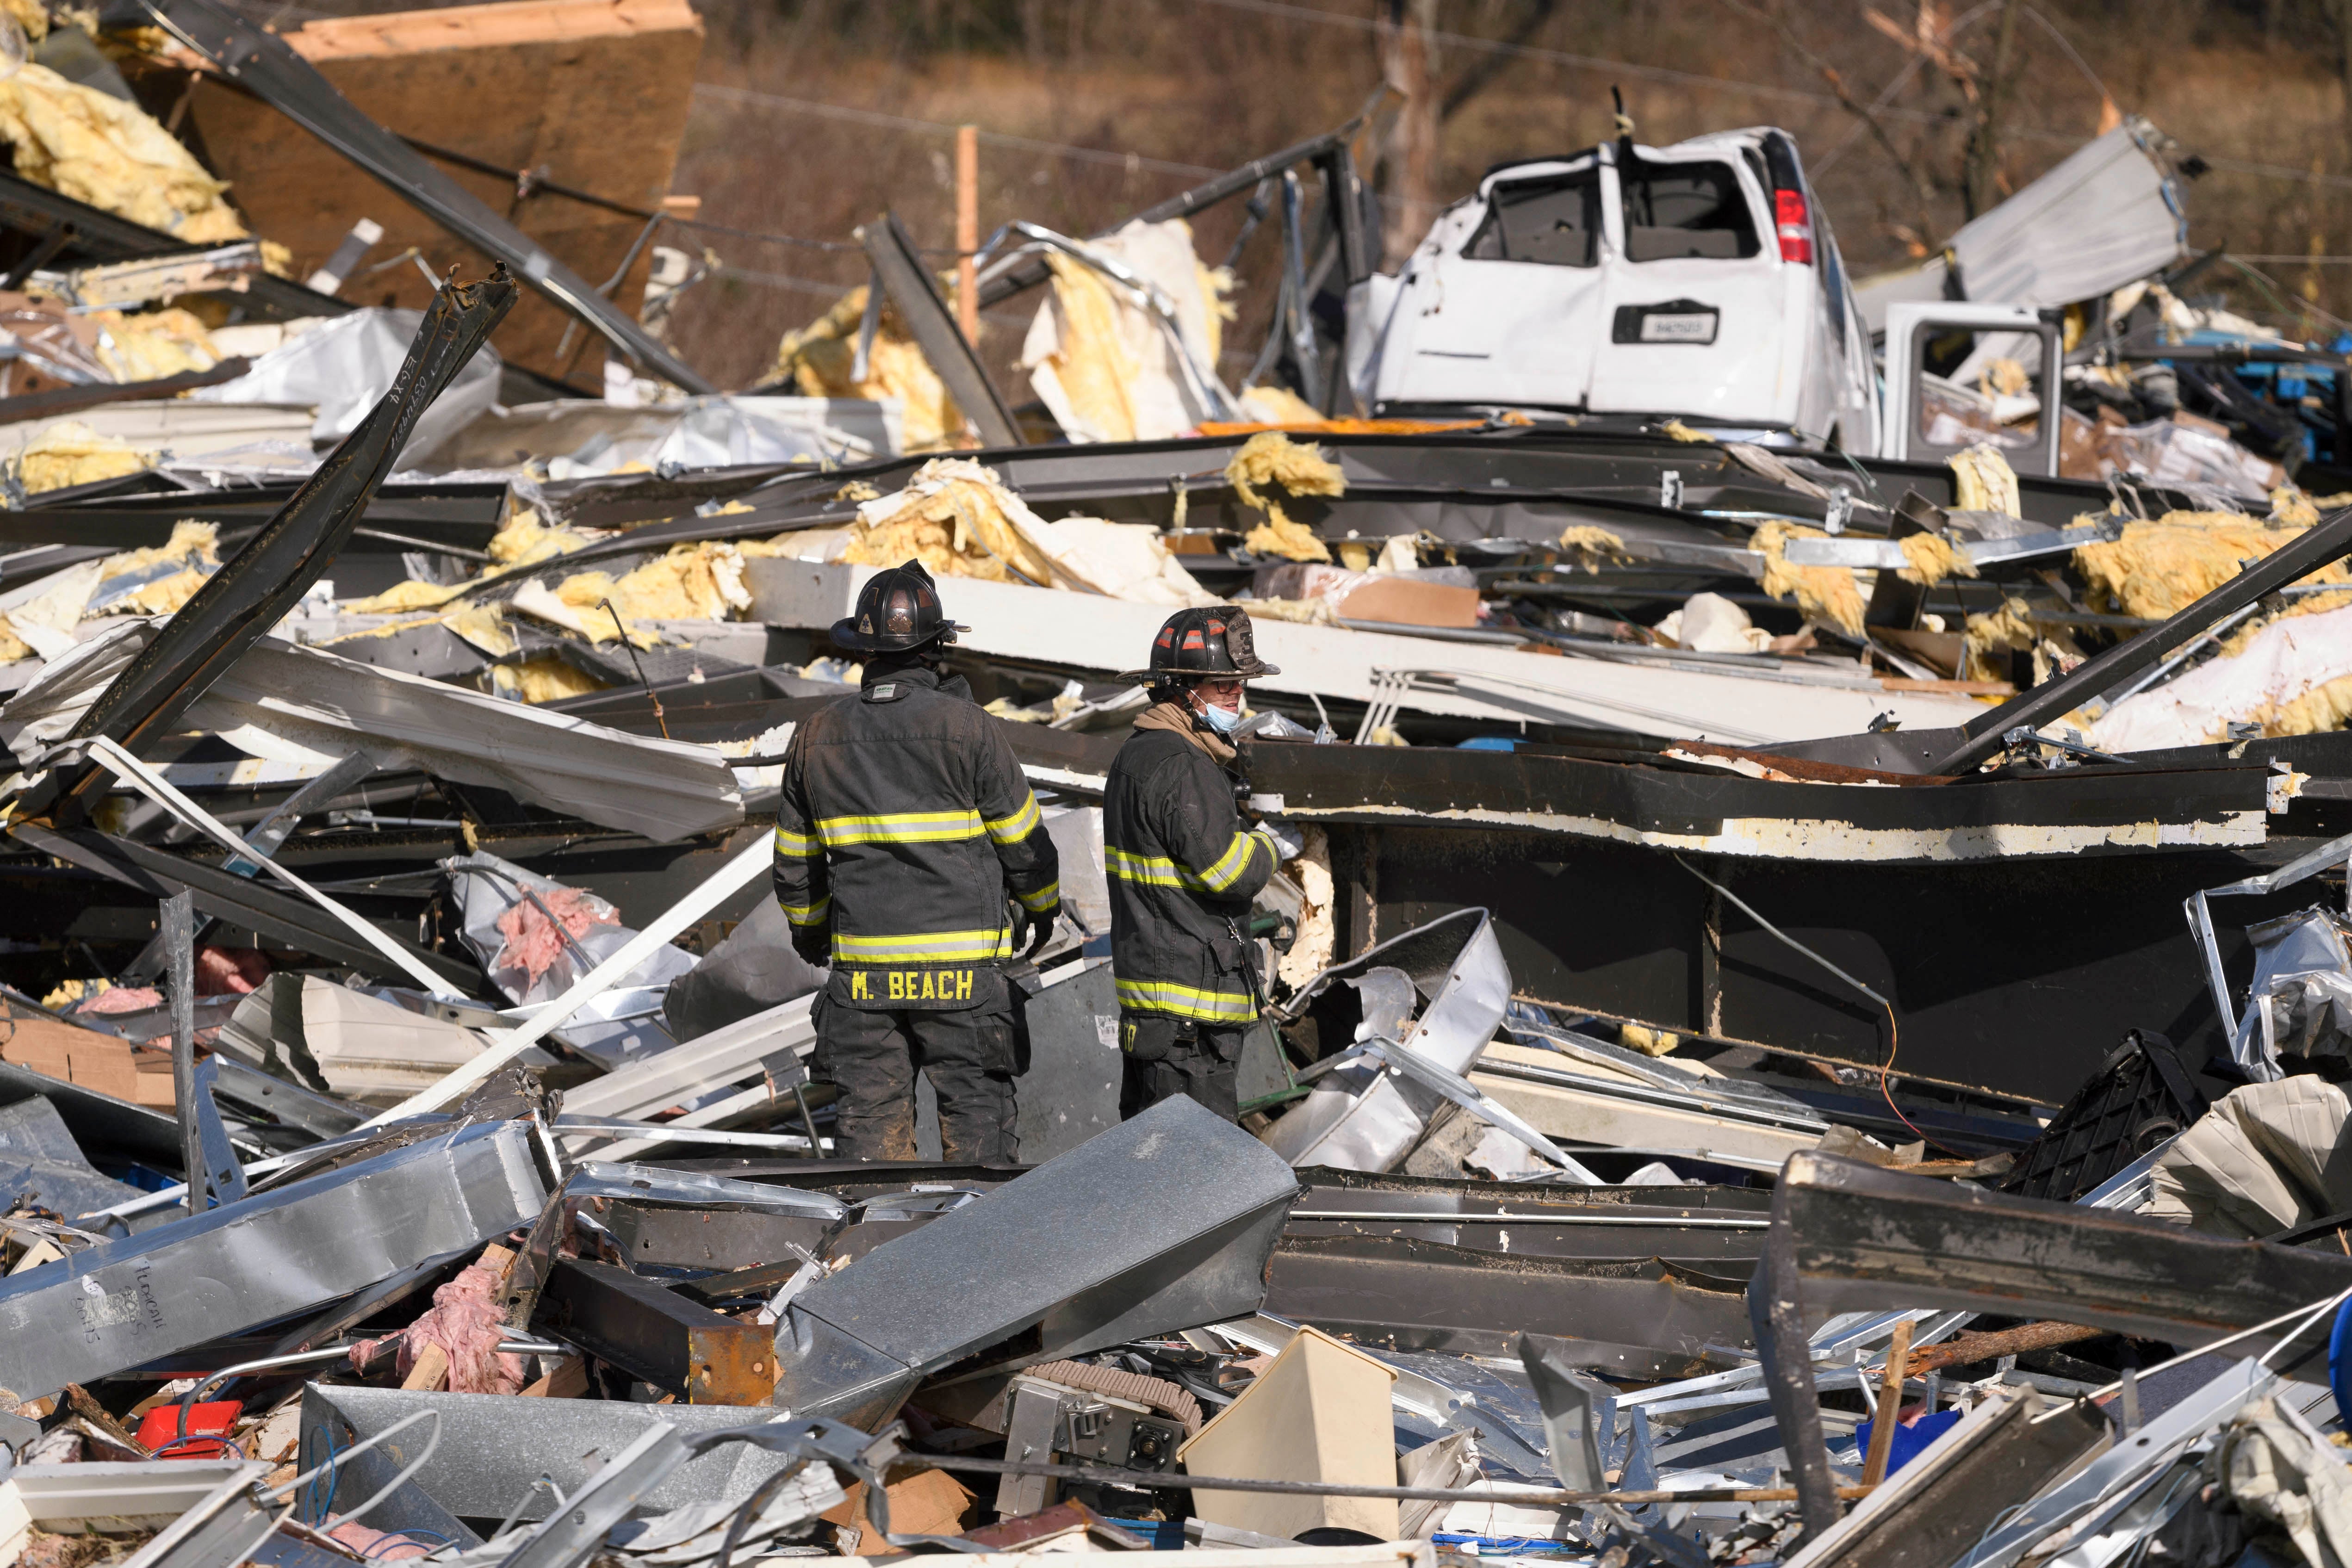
(654, 1334)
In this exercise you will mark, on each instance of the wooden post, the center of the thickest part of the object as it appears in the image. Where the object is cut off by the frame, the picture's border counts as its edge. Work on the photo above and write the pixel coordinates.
(968, 230)
(1890, 1405)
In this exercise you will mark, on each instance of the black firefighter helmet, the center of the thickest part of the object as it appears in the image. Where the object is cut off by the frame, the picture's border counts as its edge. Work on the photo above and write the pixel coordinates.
(898, 610)
(1200, 644)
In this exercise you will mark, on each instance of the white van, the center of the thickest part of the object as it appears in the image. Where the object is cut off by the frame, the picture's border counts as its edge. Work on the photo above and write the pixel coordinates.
(1699, 281)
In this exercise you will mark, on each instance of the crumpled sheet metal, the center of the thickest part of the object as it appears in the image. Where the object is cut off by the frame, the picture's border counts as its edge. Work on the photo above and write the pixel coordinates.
(2301, 999)
(343, 367)
(1163, 1222)
(1363, 1118)
(493, 1448)
(266, 577)
(287, 703)
(126, 1302)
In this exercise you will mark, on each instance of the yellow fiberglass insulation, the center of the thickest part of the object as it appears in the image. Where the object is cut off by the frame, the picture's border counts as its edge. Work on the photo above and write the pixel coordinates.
(1592, 543)
(2008, 630)
(1090, 359)
(2322, 708)
(1647, 1041)
(12, 647)
(1828, 594)
(819, 358)
(1279, 405)
(150, 347)
(192, 544)
(2005, 631)
(1315, 611)
(1932, 559)
(99, 149)
(1983, 481)
(2158, 568)
(408, 595)
(1271, 459)
(702, 581)
(1680, 431)
(953, 517)
(2293, 507)
(524, 540)
(1278, 535)
(71, 452)
(542, 680)
(484, 626)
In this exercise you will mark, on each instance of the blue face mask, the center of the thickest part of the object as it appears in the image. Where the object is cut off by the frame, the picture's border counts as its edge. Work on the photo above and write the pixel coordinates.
(1223, 720)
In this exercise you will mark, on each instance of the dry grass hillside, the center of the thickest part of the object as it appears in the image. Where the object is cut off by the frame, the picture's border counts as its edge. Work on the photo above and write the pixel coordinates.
(814, 115)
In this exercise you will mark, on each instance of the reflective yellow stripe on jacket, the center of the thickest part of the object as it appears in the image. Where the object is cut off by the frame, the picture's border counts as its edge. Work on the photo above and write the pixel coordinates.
(923, 947)
(900, 828)
(807, 913)
(1044, 898)
(1159, 871)
(1186, 1001)
(796, 845)
(1012, 830)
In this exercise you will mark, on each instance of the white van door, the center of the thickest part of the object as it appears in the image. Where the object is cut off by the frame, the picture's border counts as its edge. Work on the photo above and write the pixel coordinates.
(1699, 311)
(1506, 313)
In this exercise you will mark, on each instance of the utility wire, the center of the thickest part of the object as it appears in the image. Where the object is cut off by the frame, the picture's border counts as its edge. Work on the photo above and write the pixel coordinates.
(874, 117)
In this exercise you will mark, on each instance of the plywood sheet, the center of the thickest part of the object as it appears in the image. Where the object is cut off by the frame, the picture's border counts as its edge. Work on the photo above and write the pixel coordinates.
(593, 94)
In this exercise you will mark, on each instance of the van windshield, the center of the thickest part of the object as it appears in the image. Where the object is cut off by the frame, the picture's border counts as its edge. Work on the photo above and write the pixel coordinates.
(1555, 221)
(1679, 211)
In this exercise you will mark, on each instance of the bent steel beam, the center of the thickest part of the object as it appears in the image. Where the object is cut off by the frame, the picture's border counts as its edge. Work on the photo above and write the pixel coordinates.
(898, 268)
(1318, 149)
(1162, 1223)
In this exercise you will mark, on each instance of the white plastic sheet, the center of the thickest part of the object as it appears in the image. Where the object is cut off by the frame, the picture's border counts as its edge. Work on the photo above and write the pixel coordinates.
(343, 367)
(2283, 661)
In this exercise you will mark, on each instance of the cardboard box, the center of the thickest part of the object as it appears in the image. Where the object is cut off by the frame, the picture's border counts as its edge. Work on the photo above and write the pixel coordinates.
(1402, 601)
(1319, 1413)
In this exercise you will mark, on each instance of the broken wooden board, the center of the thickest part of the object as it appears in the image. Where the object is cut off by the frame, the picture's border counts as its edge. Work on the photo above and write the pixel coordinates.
(592, 94)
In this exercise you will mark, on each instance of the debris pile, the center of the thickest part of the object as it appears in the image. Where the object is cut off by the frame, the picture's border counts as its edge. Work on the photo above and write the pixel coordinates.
(1798, 1008)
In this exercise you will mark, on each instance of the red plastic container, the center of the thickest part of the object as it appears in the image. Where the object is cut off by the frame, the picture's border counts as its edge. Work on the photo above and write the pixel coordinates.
(160, 1429)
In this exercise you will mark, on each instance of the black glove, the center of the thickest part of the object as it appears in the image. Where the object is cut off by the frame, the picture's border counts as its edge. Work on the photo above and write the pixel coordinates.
(1039, 930)
(814, 944)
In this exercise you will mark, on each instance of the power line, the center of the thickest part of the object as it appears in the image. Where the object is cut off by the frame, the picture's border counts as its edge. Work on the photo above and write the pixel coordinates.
(1104, 156)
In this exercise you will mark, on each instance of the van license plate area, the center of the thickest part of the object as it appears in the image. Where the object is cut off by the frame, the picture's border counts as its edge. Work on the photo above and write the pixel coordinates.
(1677, 322)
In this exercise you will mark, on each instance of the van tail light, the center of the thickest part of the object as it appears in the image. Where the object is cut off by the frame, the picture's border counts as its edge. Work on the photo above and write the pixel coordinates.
(1795, 226)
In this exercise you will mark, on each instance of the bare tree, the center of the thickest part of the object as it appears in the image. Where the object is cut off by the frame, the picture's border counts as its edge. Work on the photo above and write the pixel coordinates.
(1409, 63)
(1981, 177)
(1866, 113)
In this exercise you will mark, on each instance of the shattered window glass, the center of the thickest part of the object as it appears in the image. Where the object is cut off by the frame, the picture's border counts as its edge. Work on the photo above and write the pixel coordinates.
(1555, 221)
(1677, 211)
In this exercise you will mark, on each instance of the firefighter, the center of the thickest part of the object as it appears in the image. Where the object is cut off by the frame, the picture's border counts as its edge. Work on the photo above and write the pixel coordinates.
(1182, 868)
(906, 820)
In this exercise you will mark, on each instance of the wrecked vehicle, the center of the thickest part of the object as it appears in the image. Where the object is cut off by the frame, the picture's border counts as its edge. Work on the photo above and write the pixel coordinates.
(1699, 280)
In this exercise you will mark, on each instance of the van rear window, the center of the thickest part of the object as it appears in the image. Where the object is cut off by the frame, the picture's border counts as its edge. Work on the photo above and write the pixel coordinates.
(1679, 211)
(1555, 221)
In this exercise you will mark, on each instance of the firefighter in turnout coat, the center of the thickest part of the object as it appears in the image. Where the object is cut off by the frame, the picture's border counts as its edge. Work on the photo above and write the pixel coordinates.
(905, 821)
(1183, 869)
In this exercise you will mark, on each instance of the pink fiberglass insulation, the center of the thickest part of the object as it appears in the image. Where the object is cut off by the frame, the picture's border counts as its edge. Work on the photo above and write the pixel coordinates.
(532, 944)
